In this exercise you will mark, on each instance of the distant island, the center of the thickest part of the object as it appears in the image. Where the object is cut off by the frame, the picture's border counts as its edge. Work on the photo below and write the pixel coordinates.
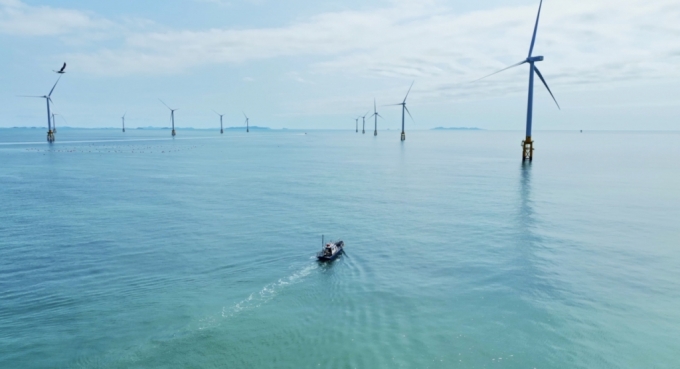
(457, 129)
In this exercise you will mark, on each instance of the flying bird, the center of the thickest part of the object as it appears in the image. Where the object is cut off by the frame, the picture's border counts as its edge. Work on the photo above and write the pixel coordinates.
(61, 71)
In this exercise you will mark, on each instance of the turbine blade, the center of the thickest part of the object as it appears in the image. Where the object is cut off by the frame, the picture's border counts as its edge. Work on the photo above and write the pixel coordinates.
(546, 85)
(55, 85)
(244, 114)
(409, 90)
(166, 105)
(502, 70)
(42, 97)
(409, 114)
(533, 38)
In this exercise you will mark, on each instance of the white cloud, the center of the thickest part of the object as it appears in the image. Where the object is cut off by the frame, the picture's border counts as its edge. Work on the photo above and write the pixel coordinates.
(585, 43)
(17, 18)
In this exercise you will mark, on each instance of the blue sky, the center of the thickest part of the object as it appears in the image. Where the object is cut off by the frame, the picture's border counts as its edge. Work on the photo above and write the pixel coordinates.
(613, 65)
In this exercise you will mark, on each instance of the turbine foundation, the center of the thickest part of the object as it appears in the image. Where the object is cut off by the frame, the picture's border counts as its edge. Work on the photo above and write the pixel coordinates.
(221, 131)
(173, 133)
(528, 149)
(403, 136)
(375, 133)
(50, 136)
(123, 130)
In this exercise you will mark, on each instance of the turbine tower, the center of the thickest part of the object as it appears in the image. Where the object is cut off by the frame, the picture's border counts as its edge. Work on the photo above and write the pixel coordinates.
(528, 144)
(363, 124)
(172, 116)
(221, 127)
(247, 122)
(48, 99)
(375, 115)
(124, 121)
(54, 123)
(404, 110)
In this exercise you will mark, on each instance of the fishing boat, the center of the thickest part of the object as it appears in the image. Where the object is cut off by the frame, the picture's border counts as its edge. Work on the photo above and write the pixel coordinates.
(330, 250)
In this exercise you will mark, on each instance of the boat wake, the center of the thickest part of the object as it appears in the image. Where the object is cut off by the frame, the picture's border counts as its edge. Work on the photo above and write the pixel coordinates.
(268, 292)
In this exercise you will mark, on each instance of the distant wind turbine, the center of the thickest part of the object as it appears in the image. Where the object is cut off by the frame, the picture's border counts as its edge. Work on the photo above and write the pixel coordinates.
(375, 115)
(404, 110)
(363, 126)
(124, 121)
(221, 115)
(247, 122)
(172, 116)
(357, 123)
(528, 144)
(48, 99)
(54, 123)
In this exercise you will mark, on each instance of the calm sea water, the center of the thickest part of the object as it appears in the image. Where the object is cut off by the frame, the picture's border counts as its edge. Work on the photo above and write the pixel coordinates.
(138, 251)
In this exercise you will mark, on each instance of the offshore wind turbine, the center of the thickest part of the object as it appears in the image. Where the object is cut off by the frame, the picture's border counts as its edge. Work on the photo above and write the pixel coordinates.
(404, 110)
(48, 99)
(221, 127)
(247, 122)
(124, 121)
(375, 115)
(363, 124)
(172, 116)
(528, 144)
(357, 123)
(54, 123)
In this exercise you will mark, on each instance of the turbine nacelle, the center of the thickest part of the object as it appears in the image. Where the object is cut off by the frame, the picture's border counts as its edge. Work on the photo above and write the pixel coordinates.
(534, 59)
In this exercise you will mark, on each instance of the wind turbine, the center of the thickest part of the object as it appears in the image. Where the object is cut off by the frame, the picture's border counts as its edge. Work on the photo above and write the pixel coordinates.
(357, 123)
(363, 126)
(221, 115)
(172, 116)
(375, 115)
(404, 110)
(247, 122)
(54, 121)
(124, 121)
(48, 99)
(528, 144)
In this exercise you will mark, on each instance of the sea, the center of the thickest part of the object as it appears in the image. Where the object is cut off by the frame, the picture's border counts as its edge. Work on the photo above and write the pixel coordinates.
(137, 250)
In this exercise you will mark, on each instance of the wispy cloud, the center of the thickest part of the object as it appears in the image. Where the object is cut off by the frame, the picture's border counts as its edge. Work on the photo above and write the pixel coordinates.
(585, 43)
(17, 18)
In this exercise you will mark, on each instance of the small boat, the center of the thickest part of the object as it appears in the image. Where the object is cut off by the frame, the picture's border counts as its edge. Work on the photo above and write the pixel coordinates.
(330, 250)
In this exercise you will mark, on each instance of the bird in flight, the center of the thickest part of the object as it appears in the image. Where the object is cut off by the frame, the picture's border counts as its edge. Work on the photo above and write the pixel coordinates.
(61, 71)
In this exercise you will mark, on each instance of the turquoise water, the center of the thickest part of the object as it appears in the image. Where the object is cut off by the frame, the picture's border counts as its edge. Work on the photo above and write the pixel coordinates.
(138, 251)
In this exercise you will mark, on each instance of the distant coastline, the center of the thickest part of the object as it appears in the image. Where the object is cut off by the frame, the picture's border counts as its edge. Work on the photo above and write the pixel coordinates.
(457, 129)
(150, 128)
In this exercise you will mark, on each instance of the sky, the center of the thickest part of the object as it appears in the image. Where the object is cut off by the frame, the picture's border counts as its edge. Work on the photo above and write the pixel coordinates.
(612, 64)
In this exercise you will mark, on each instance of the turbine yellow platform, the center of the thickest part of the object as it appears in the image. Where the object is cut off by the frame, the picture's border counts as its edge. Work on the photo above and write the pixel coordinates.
(528, 149)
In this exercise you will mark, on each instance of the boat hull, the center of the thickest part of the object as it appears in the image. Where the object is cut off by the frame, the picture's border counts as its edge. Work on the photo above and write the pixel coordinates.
(325, 258)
